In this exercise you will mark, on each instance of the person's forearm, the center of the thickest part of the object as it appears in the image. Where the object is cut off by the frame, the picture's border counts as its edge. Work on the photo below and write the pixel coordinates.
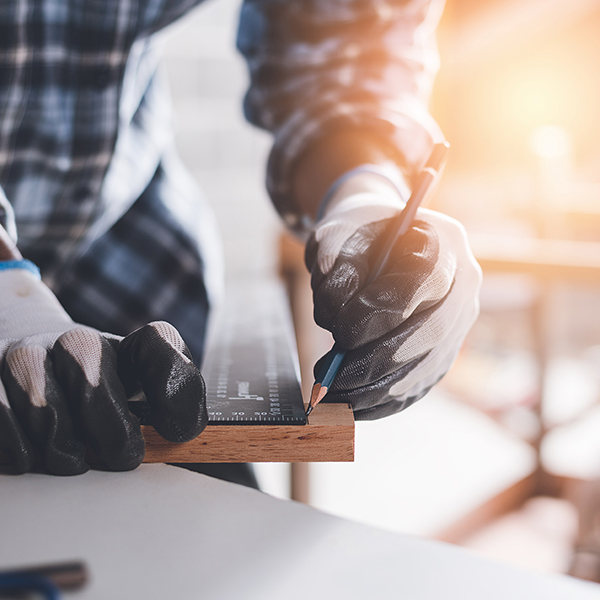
(325, 161)
(321, 70)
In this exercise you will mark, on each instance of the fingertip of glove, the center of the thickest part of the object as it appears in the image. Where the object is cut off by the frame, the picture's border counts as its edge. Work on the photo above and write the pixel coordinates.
(64, 456)
(124, 449)
(66, 466)
(185, 426)
(127, 461)
(15, 446)
(19, 462)
(172, 431)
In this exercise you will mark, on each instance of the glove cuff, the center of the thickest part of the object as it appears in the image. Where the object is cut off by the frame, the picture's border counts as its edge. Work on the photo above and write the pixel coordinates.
(388, 172)
(20, 264)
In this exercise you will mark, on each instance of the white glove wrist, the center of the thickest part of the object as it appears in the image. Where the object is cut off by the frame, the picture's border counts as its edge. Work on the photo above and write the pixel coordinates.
(363, 198)
(27, 306)
(367, 184)
(381, 179)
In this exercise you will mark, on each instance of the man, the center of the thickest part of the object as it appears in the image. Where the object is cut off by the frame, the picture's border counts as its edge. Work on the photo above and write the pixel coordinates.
(93, 192)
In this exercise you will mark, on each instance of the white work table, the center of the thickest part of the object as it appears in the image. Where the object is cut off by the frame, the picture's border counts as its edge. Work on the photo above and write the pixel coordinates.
(164, 533)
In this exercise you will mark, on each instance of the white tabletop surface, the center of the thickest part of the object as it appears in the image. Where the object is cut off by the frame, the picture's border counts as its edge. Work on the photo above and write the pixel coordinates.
(163, 533)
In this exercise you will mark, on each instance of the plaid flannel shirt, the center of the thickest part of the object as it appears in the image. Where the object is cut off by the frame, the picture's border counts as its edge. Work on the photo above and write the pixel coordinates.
(88, 178)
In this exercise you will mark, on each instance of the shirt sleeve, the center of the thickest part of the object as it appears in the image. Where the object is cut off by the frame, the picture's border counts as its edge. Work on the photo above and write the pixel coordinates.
(317, 66)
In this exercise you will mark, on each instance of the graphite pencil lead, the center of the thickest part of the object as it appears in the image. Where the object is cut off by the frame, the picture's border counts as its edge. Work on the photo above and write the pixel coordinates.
(309, 409)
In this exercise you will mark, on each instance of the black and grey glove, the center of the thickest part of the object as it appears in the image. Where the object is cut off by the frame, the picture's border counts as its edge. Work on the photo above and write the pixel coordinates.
(65, 386)
(403, 331)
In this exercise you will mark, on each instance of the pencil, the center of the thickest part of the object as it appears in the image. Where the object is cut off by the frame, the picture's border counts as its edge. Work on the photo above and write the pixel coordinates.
(424, 183)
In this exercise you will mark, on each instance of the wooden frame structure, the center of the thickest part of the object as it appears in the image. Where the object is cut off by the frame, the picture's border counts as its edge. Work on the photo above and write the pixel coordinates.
(547, 261)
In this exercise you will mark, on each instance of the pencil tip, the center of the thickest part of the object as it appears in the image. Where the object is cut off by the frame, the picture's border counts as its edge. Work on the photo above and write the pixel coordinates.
(322, 393)
(314, 395)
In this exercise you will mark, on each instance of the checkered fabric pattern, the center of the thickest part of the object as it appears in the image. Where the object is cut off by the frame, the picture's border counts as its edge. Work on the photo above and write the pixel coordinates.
(145, 267)
(85, 129)
(83, 120)
(318, 66)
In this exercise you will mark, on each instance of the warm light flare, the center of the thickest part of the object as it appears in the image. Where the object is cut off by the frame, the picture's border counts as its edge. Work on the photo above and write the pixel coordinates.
(541, 94)
(504, 105)
(551, 142)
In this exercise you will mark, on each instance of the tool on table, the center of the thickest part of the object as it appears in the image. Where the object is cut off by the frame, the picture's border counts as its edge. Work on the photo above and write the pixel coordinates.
(403, 221)
(47, 579)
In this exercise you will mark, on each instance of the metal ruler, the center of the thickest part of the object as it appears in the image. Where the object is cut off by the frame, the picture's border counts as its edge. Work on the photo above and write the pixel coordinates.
(251, 365)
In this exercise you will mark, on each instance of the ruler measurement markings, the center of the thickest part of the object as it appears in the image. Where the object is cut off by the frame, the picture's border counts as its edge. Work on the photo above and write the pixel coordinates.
(250, 371)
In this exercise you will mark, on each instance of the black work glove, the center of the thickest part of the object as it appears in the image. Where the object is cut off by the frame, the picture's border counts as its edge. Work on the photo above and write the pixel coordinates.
(65, 386)
(404, 330)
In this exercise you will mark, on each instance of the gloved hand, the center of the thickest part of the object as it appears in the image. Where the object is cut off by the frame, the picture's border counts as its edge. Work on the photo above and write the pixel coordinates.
(65, 385)
(404, 330)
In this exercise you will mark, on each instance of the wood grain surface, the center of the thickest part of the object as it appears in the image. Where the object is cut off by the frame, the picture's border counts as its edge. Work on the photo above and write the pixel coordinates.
(328, 437)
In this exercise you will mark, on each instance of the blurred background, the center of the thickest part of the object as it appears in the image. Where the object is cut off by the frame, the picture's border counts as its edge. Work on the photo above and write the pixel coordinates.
(492, 459)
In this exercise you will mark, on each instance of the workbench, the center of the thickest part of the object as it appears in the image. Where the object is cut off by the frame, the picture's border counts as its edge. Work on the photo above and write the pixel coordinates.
(162, 532)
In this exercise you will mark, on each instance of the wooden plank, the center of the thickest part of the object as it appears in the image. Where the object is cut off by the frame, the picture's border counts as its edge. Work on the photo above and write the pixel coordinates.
(328, 437)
